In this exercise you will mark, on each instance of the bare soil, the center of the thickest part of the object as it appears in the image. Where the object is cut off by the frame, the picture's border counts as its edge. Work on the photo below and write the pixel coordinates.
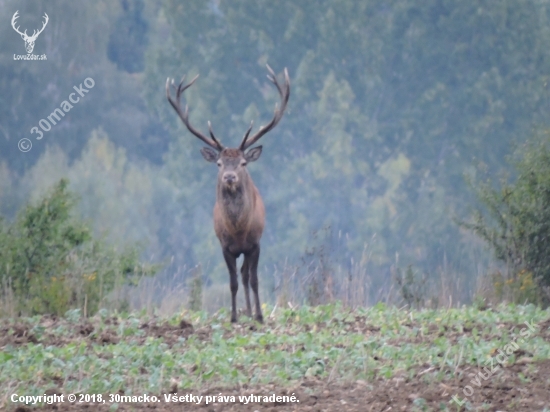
(523, 386)
(503, 392)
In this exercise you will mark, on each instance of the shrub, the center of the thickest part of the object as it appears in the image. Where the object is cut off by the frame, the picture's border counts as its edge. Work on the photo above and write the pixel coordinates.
(516, 222)
(50, 263)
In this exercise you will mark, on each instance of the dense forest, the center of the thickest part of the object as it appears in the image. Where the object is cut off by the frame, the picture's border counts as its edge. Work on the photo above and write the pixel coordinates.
(395, 105)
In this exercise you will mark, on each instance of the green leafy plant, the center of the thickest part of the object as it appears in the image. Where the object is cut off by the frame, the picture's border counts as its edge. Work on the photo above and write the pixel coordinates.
(516, 223)
(329, 344)
(50, 262)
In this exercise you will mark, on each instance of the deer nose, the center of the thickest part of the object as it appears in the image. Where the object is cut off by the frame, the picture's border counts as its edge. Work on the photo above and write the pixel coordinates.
(229, 177)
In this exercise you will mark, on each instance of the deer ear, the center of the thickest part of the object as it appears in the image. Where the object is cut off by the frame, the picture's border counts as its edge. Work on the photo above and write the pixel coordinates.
(209, 154)
(253, 154)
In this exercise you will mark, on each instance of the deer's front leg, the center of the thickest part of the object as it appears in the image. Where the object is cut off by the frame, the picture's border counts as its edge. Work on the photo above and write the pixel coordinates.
(231, 262)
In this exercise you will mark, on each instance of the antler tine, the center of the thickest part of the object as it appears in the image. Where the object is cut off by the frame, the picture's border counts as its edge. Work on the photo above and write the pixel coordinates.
(181, 88)
(243, 142)
(46, 19)
(184, 115)
(273, 78)
(14, 22)
(284, 93)
(212, 134)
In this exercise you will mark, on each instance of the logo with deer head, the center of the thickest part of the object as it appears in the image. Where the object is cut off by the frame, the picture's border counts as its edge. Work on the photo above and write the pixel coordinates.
(29, 40)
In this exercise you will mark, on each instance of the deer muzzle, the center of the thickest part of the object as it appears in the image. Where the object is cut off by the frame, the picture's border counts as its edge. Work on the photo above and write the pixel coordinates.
(230, 178)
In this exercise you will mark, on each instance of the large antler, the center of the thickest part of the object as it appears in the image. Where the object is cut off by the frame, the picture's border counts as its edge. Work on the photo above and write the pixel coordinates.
(13, 22)
(35, 35)
(24, 34)
(184, 114)
(284, 92)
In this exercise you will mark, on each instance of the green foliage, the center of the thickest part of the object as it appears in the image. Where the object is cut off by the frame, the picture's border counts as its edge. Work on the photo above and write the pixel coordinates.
(128, 39)
(387, 110)
(35, 90)
(521, 287)
(516, 222)
(50, 262)
(328, 342)
(391, 100)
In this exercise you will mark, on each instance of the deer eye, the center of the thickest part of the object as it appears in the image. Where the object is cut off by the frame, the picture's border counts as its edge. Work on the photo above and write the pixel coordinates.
(243, 162)
(219, 163)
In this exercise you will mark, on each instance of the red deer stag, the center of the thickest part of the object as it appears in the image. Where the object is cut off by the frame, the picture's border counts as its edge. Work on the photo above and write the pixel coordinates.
(239, 213)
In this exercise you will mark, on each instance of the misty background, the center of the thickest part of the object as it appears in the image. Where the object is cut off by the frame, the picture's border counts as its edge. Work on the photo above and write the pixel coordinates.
(393, 104)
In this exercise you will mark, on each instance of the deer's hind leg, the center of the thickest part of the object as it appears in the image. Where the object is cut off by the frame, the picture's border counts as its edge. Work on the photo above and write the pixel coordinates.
(253, 266)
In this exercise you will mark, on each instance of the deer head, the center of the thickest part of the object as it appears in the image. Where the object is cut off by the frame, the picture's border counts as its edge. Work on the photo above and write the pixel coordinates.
(29, 40)
(231, 162)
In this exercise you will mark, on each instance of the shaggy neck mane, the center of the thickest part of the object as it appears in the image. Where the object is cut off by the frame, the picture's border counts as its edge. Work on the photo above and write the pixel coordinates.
(236, 204)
